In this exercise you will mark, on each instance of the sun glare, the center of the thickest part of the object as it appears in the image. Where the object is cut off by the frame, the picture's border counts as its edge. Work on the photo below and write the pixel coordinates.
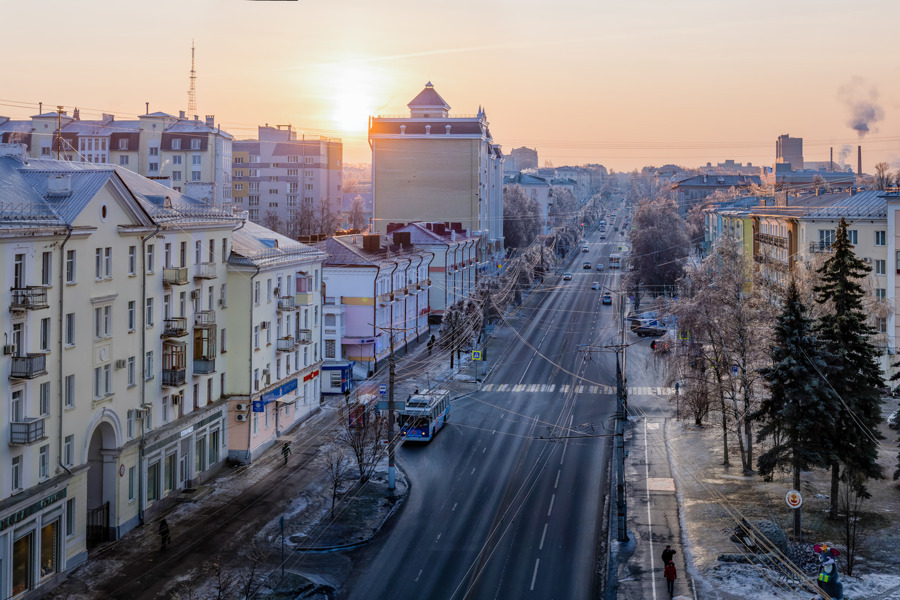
(352, 93)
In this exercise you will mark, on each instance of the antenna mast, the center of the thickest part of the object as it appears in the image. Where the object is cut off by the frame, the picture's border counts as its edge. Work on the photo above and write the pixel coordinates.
(192, 93)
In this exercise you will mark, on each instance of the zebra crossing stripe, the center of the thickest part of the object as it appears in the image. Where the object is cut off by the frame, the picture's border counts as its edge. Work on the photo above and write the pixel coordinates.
(552, 387)
(488, 387)
(535, 387)
(564, 389)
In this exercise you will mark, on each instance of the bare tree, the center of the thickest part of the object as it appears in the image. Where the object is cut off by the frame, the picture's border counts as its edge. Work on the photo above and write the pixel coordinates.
(256, 556)
(272, 221)
(337, 469)
(224, 580)
(357, 215)
(882, 175)
(521, 217)
(852, 530)
(363, 437)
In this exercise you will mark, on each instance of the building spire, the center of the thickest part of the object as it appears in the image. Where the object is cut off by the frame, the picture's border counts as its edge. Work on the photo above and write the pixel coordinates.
(192, 93)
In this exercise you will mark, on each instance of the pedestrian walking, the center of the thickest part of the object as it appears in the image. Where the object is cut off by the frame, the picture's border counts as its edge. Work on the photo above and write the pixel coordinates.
(430, 345)
(671, 575)
(285, 451)
(667, 554)
(164, 536)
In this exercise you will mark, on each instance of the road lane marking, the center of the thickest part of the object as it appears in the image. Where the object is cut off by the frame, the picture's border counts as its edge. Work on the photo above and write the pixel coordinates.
(534, 577)
(543, 535)
(557, 478)
(488, 387)
(552, 500)
(437, 539)
(473, 472)
(649, 518)
(454, 506)
(484, 450)
(419, 575)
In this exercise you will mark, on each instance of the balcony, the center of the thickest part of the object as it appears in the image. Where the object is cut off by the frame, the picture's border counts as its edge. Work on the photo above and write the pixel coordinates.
(175, 327)
(32, 297)
(27, 431)
(772, 240)
(304, 298)
(175, 276)
(205, 270)
(305, 336)
(28, 366)
(205, 319)
(286, 344)
(287, 303)
(204, 366)
(173, 377)
(816, 247)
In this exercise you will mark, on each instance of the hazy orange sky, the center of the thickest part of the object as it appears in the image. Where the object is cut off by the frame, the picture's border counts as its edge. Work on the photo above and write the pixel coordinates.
(624, 84)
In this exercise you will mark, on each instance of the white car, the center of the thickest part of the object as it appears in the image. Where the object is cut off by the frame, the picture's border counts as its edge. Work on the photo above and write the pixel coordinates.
(567, 276)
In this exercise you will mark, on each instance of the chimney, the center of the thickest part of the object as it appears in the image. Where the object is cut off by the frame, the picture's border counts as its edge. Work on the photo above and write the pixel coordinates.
(147, 108)
(180, 114)
(211, 121)
(372, 242)
(831, 160)
(859, 159)
(76, 114)
(402, 238)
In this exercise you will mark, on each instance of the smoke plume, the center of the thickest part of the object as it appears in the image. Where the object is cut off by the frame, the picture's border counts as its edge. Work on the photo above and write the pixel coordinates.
(844, 153)
(861, 99)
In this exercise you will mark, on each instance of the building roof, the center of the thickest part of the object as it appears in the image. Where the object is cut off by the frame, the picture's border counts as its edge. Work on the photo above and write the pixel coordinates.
(347, 250)
(428, 98)
(718, 181)
(412, 126)
(862, 205)
(253, 244)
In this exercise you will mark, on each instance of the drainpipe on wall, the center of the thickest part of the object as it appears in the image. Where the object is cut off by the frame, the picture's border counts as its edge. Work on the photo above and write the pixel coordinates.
(250, 373)
(143, 327)
(375, 319)
(62, 271)
(391, 303)
(446, 278)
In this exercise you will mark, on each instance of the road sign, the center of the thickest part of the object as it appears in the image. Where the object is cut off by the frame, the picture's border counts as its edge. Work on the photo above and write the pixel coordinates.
(398, 404)
(793, 499)
(476, 354)
(382, 389)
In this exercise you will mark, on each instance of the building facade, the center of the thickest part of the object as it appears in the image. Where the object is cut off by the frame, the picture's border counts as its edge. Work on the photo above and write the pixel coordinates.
(431, 166)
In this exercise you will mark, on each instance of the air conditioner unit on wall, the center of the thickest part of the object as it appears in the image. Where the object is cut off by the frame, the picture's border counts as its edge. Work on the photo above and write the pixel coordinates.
(176, 400)
(264, 325)
(121, 363)
(195, 294)
(9, 349)
(240, 407)
(240, 417)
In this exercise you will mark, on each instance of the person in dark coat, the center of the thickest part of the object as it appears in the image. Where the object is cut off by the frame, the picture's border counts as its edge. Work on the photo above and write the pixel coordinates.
(164, 536)
(667, 555)
(671, 575)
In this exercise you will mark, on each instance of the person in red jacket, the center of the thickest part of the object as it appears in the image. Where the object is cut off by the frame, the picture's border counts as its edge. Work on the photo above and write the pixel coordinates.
(670, 578)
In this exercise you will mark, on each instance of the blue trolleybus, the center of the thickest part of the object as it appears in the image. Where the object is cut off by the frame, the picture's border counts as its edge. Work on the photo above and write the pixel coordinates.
(423, 415)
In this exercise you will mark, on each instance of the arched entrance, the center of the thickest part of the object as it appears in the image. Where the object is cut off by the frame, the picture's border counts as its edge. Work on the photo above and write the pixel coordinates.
(101, 485)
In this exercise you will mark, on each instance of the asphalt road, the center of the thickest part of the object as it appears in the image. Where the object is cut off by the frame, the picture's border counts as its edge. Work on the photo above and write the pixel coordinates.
(508, 500)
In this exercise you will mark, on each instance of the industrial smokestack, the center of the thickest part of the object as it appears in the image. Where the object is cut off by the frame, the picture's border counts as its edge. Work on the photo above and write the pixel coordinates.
(859, 160)
(831, 159)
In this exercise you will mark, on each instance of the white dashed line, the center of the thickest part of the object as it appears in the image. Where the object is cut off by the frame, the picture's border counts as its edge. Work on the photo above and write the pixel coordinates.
(543, 535)
(552, 500)
(534, 577)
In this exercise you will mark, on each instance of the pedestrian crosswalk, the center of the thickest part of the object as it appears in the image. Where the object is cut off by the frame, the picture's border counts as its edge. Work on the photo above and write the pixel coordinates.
(575, 389)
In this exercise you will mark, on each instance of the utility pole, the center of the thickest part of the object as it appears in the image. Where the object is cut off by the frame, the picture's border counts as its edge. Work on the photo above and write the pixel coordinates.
(391, 445)
(58, 130)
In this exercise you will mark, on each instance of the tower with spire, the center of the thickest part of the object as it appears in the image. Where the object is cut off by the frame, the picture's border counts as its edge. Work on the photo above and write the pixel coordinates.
(192, 92)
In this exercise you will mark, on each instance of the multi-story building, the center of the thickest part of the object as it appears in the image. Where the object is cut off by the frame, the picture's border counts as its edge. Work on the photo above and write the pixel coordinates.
(287, 184)
(189, 155)
(693, 190)
(789, 150)
(375, 291)
(429, 166)
(116, 349)
(521, 159)
(274, 285)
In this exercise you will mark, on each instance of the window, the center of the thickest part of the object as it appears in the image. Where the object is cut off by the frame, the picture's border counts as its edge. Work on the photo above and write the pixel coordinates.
(150, 257)
(69, 391)
(239, 187)
(153, 167)
(132, 315)
(307, 160)
(45, 335)
(195, 175)
(176, 160)
(131, 372)
(16, 413)
(879, 238)
(198, 252)
(176, 175)
(70, 266)
(16, 474)
(153, 151)
(46, 268)
(881, 324)
(149, 312)
(880, 294)
(269, 290)
(44, 393)
(44, 462)
(329, 349)
(69, 450)
(148, 365)
(196, 159)
(70, 329)
(102, 325)
(123, 160)
(195, 144)
(70, 516)
(879, 266)
(132, 260)
(153, 482)
(222, 343)
(256, 337)
(224, 258)
(176, 145)
(851, 235)
(131, 483)
(129, 425)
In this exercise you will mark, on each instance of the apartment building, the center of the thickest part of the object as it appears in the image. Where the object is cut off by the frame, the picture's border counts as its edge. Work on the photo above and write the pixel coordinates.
(121, 356)
(374, 288)
(288, 184)
(190, 156)
(274, 285)
(431, 166)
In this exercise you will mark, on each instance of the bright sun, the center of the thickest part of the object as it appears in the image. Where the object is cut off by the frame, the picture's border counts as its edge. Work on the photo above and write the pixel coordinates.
(352, 96)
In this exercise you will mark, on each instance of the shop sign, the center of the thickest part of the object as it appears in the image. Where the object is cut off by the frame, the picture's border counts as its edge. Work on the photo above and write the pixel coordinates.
(26, 512)
(310, 376)
(272, 395)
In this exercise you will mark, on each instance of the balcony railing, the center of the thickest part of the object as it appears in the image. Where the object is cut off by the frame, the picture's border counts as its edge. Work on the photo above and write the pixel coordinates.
(32, 297)
(815, 247)
(305, 336)
(205, 270)
(175, 276)
(26, 431)
(287, 343)
(205, 318)
(173, 377)
(204, 366)
(772, 240)
(28, 366)
(174, 327)
(287, 303)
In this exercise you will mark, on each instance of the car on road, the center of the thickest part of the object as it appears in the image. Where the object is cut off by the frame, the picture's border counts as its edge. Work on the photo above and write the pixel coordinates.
(602, 236)
(586, 265)
(894, 420)
(599, 266)
(607, 298)
(567, 276)
(595, 286)
(584, 248)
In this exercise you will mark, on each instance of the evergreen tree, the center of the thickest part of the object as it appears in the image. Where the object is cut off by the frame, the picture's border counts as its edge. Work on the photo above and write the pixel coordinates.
(798, 416)
(858, 380)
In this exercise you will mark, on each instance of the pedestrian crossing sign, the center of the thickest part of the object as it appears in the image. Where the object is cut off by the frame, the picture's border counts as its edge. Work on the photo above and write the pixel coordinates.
(476, 354)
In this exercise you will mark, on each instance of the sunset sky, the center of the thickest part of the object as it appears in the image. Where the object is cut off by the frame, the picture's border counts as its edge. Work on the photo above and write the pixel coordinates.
(624, 84)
